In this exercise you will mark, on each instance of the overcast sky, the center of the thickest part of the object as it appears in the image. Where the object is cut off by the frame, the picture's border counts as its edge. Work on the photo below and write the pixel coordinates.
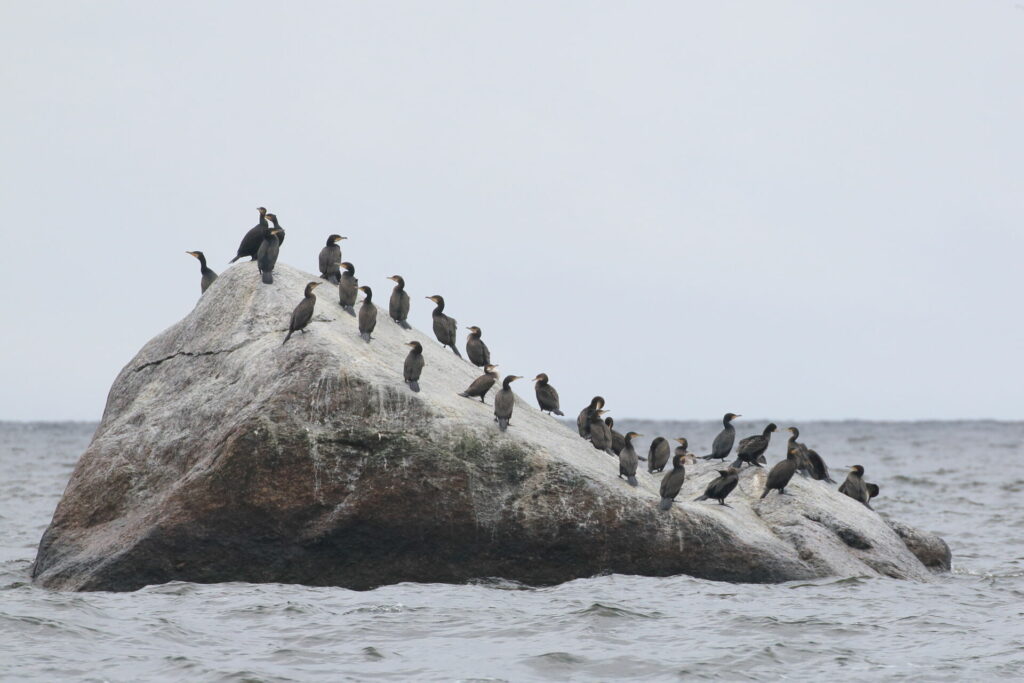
(781, 209)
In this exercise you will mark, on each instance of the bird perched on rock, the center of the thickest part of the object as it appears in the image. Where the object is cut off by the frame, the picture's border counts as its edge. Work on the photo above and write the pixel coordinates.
(803, 463)
(482, 384)
(206, 275)
(658, 455)
(855, 487)
(253, 238)
(673, 480)
(504, 401)
(330, 259)
(367, 315)
(583, 421)
(722, 486)
(819, 470)
(303, 313)
(628, 460)
(618, 440)
(348, 288)
(600, 433)
(476, 350)
(413, 365)
(266, 255)
(751, 449)
(723, 442)
(547, 397)
(444, 325)
(782, 472)
(683, 452)
(273, 221)
(398, 307)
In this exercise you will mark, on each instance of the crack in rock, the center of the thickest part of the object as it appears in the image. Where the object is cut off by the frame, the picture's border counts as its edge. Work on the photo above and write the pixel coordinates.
(191, 354)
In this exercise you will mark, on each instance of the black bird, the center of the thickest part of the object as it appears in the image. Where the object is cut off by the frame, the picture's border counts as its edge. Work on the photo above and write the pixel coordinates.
(782, 472)
(266, 255)
(252, 239)
(207, 275)
(618, 440)
(673, 480)
(872, 490)
(414, 365)
(303, 313)
(628, 459)
(583, 421)
(658, 455)
(330, 259)
(444, 325)
(482, 384)
(478, 353)
(398, 307)
(504, 401)
(723, 442)
(751, 449)
(819, 470)
(721, 487)
(547, 397)
(803, 463)
(348, 288)
(600, 433)
(855, 487)
(367, 315)
(682, 450)
(273, 219)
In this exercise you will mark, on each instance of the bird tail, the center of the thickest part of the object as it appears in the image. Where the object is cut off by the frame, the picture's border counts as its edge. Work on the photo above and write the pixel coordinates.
(666, 503)
(456, 352)
(766, 490)
(287, 337)
(699, 498)
(632, 480)
(404, 325)
(558, 412)
(464, 394)
(738, 464)
(829, 479)
(268, 277)
(237, 256)
(333, 279)
(502, 422)
(365, 336)
(761, 459)
(350, 310)
(708, 457)
(414, 385)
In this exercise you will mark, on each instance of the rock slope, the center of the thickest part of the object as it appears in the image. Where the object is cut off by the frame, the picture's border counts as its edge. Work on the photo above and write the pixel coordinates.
(224, 456)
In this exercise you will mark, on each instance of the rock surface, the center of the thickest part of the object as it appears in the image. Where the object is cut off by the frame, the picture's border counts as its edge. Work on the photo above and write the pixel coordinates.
(224, 456)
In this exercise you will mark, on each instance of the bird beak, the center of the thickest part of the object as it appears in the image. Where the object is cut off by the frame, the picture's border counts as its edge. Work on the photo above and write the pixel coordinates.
(639, 434)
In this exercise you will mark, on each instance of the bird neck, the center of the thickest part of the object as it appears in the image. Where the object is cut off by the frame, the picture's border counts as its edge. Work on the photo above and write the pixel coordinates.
(369, 298)
(439, 309)
(202, 263)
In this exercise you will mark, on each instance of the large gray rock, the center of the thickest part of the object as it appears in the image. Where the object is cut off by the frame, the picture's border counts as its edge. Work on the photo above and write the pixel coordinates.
(224, 456)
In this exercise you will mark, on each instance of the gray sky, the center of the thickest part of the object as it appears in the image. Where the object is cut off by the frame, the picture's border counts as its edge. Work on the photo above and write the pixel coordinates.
(781, 209)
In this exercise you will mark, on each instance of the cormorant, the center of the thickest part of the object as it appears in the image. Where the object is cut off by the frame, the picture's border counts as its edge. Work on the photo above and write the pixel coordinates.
(618, 440)
(398, 307)
(348, 288)
(266, 255)
(482, 384)
(583, 421)
(600, 433)
(330, 258)
(628, 459)
(855, 487)
(721, 487)
(803, 463)
(683, 452)
(273, 219)
(723, 442)
(414, 365)
(872, 489)
(208, 276)
(547, 397)
(504, 401)
(303, 313)
(751, 449)
(252, 240)
(673, 480)
(819, 470)
(367, 315)
(444, 325)
(658, 455)
(783, 471)
(478, 353)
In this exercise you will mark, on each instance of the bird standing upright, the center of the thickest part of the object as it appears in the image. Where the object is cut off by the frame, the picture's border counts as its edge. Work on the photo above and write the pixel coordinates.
(348, 288)
(413, 367)
(673, 480)
(547, 397)
(266, 255)
(628, 459)
(504, 402)
(398, 306)
(206, 275)
(445, 326)
(477, 352)
(330, 259)
(723, 442)
(253, 238)
(303, 313)
(367, 315)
